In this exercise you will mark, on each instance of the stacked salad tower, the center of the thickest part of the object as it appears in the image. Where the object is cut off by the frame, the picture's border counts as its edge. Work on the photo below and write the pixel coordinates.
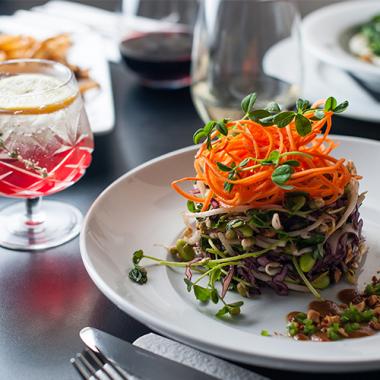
(269, 206)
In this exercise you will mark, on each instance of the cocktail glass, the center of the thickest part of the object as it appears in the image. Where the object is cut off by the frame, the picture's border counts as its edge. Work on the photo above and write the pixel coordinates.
(45, 147)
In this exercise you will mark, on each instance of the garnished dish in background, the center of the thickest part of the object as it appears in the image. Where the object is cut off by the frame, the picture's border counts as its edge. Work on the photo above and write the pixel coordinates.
(269, 206)
(53, 48)
(366, 42)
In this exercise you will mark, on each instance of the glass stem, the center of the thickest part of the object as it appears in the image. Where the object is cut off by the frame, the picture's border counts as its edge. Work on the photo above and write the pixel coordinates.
(33, 216)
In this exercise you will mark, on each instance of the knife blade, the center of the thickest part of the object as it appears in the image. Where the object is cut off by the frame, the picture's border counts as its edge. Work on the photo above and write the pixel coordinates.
(137, 361)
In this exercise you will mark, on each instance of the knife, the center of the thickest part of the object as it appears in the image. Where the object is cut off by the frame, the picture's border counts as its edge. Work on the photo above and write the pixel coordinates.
(137, 361)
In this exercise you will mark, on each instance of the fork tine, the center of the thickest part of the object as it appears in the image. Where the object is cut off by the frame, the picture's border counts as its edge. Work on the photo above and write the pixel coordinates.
(80, 368)
(95, 357)
(91, 368)
(92, 365)
(112, 371)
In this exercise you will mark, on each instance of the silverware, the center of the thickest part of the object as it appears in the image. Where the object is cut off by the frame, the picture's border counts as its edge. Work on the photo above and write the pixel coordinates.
(375, 95)
(137, 361)
(94, 366)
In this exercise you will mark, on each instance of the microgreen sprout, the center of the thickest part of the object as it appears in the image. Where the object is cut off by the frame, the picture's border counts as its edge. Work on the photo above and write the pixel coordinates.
(208, 268)
(272, 114)
(280, 176)
(206, 132)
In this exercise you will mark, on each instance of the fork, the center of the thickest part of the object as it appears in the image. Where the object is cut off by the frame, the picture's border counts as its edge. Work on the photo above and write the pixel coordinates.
(95, 366)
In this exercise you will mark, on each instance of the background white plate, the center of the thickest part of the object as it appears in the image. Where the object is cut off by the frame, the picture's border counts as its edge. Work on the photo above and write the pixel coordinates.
(326, 31)
(140, 210)
(320, 80)
(87, 51)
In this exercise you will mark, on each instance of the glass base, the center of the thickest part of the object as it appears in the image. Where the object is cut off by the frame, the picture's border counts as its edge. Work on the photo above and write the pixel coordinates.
(55, 223)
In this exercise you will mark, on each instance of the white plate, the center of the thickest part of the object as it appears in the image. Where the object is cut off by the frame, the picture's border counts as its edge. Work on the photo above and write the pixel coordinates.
(141, 211)
(320, 80)
(327, 30)
(87, 51)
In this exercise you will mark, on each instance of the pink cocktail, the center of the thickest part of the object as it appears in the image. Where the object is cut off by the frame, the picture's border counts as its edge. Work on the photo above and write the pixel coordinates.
(45, 146)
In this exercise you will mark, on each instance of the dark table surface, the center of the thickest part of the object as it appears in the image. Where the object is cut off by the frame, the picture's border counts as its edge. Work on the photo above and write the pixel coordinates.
(47, 297)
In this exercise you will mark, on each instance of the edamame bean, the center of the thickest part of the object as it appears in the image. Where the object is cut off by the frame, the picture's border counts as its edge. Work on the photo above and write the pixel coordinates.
(230, 234)
(245, 231)
(307, 262)
(247, 242)
(235, 310)
(350, 277)
(322, 281)
(173, 251)
(185, 251)
(242, 289)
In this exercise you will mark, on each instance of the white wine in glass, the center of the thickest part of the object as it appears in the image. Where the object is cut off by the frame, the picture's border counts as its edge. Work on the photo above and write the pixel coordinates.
(232, 42)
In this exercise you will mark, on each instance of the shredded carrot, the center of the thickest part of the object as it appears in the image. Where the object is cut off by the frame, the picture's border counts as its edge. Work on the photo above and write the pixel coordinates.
(317, 173)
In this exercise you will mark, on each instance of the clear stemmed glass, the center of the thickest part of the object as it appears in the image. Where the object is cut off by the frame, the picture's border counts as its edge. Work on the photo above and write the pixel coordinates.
(243, 46)
(45, 146)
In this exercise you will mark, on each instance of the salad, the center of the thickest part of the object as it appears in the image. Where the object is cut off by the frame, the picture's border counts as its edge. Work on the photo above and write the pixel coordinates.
(366, 43)
(269, 207)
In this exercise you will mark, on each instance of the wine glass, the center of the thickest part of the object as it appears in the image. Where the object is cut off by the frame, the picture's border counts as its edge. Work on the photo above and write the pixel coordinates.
(156, 40)
(243, 46)
(45, 147)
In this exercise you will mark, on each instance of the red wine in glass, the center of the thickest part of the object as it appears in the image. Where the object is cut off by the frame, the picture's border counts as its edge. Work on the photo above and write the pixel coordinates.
(160, 59)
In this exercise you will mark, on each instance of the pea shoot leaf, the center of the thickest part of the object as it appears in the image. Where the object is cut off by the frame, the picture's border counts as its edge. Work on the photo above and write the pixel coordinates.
(281, 175)
(330, 104)
(137, 256)
(302, 105)
(214, 296)
(202, 294)
(341, 107)
(256, 115)
(228, 186)
(273, 107)
(248, 103)
(208, 128)
(293, 163)
(206, 132)
(222, 128)
(266, 121)
(223, 168)
(282, 119)
(319, 114)
(188, 283)
(233, 309)
(192, 207)
(244, 162)
(138, 274)
(303, 125)
(221, 312)
(273, 158)
(198, 135)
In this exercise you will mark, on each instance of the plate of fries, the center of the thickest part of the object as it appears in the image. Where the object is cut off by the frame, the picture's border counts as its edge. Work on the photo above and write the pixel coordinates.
(76, 51)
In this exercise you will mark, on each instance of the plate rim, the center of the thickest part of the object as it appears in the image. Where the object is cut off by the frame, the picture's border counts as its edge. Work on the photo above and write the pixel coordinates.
(262, 359)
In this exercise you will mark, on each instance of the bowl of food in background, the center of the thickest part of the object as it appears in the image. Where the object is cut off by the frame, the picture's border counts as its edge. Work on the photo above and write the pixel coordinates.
(347, 35)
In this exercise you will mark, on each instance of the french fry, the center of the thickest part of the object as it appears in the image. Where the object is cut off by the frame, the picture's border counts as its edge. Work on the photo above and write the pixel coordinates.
(87, 84)
(54, 48)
